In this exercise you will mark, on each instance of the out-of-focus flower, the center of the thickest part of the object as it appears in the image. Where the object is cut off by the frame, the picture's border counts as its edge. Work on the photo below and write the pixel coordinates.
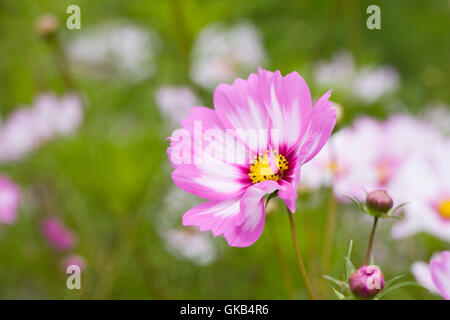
(221, 54)
(435, 276)
(190, 244)
(73, 259)
(58, 236)
(18, 135)
(424, 181)
(374, 82)
(340, 72)
(185, 243)
(366, 282)
(175, 102)
(366, 85)
(439, 116)
(115, 48)
(27, 128)
(47, 25)
(9, 200)
(369, 155)
(290, 132)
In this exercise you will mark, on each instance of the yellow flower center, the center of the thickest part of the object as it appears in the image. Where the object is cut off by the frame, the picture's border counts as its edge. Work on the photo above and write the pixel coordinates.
(260, 168)
(444, 208)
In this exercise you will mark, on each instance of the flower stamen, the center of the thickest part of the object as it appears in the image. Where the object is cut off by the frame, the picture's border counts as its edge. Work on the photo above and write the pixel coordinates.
(260, 167)
(444, 209)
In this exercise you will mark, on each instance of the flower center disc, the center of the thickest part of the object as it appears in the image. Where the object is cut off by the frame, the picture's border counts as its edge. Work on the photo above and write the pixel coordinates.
(260, 169)
(444, 209)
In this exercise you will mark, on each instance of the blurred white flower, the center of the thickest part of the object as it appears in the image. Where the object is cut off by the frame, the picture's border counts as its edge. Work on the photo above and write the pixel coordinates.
(184, 242)
(439, 116)
(175, 102)
(115, 48)
(190, 244)
(340, 72)
(372, 83)
(27, 128)
(366, 85)
(221, 54)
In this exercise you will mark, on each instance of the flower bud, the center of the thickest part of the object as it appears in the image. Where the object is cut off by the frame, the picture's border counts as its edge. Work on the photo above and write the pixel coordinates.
(47, 25)
(379, 200)
(366, 282)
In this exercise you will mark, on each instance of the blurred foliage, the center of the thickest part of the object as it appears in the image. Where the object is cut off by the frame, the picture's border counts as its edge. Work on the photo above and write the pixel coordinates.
(109, 181)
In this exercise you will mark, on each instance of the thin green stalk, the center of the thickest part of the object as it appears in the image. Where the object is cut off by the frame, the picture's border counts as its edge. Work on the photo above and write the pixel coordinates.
(372, 237)
(298, 255)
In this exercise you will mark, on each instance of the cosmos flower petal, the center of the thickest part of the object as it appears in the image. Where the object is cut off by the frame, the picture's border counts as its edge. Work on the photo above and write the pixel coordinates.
(288, 193)
(211, 181)
(288, 101)
(322, 124)
(440, 273)
(241, 107)
(421, 272)
(252, 215)
(216, 216)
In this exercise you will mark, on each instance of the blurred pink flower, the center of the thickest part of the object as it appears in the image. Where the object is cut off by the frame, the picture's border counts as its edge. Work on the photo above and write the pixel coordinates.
(175, 102)
(27, 128)
(435, 276)
(73, 259)
(424, 181)
(9, 200)
(265, 103)
(368, 155)
(58, 236)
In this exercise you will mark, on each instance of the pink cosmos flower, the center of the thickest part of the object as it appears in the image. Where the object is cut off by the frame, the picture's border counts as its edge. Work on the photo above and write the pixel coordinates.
(58, 236)
(290, 133)
(435, 276)
(74, 259)
(9, 200)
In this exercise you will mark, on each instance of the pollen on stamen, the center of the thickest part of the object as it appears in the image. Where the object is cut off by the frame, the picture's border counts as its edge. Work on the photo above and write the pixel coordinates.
(260, 168)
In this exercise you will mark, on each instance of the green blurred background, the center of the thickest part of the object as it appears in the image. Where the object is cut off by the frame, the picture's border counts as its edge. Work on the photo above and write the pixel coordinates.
(109, 181)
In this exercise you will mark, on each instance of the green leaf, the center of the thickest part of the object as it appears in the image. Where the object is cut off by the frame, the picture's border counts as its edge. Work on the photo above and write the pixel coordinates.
(337, 293)
(350, 248)
(349, 267)
(358, 203)
(372, 261)
(395, 287)
(338, 282)
(391, 281)
(395, 209)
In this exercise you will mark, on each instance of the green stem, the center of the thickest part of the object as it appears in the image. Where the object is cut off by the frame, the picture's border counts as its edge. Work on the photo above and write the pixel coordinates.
(286, 275)
(330, 229)
(301, 265)
(372, 237)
